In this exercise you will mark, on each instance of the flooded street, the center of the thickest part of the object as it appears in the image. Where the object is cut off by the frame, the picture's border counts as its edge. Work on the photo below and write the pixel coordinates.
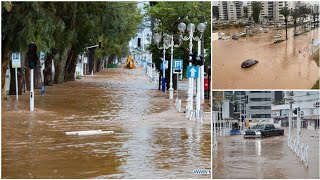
(269, 158)
(150, 139)
(285, 65)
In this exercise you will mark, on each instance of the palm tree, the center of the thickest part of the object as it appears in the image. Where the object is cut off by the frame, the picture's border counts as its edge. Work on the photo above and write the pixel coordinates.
(295, 14)
(285, 12)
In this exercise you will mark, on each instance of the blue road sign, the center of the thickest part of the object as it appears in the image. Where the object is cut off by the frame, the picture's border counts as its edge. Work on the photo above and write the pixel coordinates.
(192, 72)
(165, 65)
(177, 64)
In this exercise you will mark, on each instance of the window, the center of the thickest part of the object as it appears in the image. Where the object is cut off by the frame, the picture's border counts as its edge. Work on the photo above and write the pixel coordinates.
(260, 107)
(261, 116)
(259, 91)
(260, 99)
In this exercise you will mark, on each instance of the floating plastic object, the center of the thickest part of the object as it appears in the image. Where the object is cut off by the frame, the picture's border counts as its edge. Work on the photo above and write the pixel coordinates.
(90, 132)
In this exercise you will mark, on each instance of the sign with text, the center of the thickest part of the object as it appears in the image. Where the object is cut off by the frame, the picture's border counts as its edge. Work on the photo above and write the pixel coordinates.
(16, 60)
(177, 66)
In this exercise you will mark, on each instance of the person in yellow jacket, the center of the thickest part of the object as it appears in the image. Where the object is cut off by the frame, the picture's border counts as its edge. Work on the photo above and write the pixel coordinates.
(130, 63)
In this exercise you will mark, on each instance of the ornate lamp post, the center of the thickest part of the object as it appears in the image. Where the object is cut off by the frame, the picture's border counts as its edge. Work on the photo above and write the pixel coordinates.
(157, 39)
(191, 30)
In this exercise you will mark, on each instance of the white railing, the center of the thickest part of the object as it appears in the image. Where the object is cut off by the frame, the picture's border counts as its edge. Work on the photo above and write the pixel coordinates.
(178, 105)
(300, 149)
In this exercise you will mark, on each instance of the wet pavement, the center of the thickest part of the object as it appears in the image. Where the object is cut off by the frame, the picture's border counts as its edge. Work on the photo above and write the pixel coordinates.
(150, 139)
(268, 158)
(285, 65)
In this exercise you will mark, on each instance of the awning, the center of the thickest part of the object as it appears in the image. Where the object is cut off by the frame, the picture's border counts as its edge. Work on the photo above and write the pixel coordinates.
(311, 117)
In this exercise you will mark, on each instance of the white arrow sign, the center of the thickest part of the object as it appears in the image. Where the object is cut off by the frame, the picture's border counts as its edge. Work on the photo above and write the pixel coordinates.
(192, 71)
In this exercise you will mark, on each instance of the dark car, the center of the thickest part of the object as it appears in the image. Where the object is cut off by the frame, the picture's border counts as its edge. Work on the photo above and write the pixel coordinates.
(263, 130)
(235, 37)
(248, 63)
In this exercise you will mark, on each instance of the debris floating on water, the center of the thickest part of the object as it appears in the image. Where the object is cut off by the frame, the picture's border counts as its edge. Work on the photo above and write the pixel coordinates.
(89, 132)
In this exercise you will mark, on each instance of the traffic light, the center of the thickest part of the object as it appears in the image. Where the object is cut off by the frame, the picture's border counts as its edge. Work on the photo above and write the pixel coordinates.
(99, 44)
(32, 55)
(295, 111)
(200, 60)
(190, 60)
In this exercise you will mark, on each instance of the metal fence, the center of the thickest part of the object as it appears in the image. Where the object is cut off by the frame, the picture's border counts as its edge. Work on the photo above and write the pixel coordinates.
(300, 149)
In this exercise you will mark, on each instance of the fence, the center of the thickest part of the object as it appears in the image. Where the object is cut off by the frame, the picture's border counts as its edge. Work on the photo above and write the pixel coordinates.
(300, 149)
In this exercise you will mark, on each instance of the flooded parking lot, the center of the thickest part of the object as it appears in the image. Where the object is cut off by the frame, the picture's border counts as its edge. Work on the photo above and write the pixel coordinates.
(286, 65)
(269, 158)
(150, 139)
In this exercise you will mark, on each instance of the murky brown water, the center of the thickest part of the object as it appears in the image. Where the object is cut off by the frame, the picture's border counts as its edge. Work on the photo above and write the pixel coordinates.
(150, 139)
(269, 158)
(286, 65)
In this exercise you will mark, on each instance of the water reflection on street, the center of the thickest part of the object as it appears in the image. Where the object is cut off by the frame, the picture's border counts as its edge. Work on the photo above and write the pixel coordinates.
(284, 65)
(150, 139)
(267, 158)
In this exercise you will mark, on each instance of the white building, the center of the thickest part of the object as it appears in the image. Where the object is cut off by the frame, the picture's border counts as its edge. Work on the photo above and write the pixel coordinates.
(140, 42)
(271, 10)
(307, 101)
(230, 10)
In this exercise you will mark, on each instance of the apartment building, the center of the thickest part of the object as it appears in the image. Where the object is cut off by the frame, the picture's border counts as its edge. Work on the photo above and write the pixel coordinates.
(271, 10)
(230, 10)
(258, 104)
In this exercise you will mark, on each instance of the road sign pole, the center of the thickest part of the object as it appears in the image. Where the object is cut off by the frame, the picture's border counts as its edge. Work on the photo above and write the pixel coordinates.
(177, 85)
(171, 69)
(31, 91)
(164, 69)
(16, 74)
(198, 97)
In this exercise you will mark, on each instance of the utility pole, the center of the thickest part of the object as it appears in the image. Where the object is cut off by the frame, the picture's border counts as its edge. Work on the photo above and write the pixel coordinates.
(290, 116)
(202, 67)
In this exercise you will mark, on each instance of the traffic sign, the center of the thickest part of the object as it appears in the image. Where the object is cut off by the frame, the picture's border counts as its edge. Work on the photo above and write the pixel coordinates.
(165, 65)
(41, 56)
(177, 64)
(16, 60)
(192, 72)
(85, 60)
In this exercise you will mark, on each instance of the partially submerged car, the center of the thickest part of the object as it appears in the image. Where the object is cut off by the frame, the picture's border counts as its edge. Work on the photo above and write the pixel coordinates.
(248, 63)
(263, 130)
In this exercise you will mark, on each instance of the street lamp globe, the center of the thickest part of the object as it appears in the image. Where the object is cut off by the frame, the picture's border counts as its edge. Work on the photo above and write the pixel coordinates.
(182, 27)
(166, 38)
(157, 38)
(201, 27)
(191, 27)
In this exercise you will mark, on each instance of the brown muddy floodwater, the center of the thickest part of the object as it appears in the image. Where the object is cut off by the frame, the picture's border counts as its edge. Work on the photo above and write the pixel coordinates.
(150, 140)
(286, 65)
(267, 158)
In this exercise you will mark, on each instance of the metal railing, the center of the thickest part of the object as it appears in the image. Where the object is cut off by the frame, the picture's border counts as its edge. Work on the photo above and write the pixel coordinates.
(300, 149)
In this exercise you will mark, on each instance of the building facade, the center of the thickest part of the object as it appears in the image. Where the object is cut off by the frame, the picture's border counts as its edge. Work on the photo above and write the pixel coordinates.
(230, 10)
(307, 101)
(271, 10)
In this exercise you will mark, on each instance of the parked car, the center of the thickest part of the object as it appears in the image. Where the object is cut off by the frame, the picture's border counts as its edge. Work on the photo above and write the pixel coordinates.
(263, 130)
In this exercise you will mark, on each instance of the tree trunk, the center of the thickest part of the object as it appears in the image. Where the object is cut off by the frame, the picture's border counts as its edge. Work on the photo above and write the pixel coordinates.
(47, 72)
(286, 29)
(37, 76)
(68, 63)
(91, 60)
(72, 67)
(5, 53)
(60, 63)
(99, 64)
